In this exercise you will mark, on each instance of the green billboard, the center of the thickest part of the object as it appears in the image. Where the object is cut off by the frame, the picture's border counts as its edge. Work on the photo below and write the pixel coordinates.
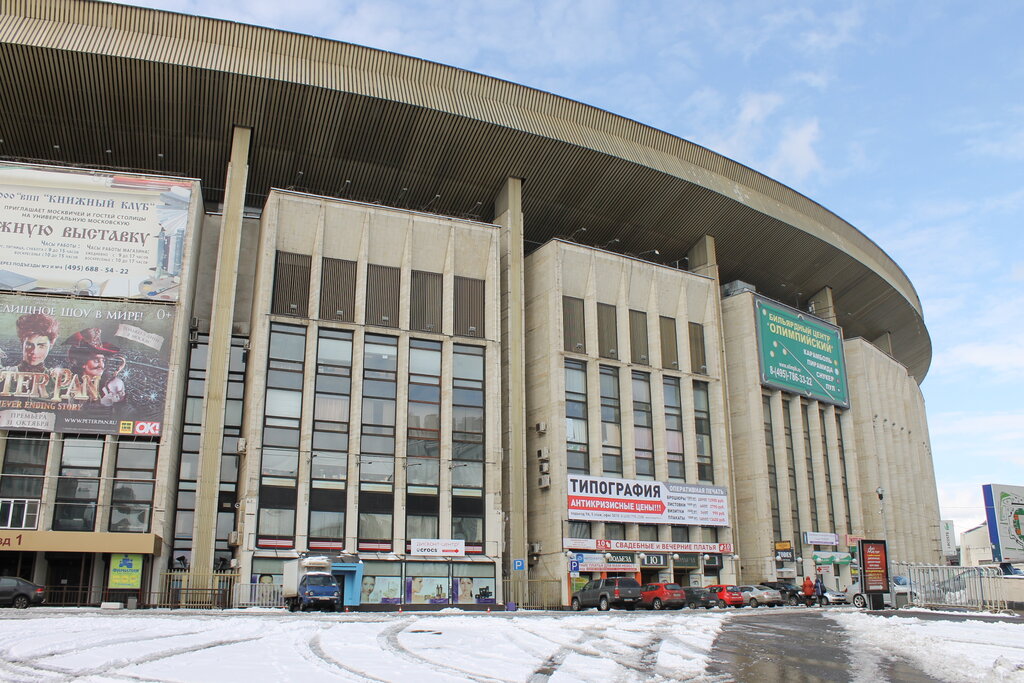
(800, 354)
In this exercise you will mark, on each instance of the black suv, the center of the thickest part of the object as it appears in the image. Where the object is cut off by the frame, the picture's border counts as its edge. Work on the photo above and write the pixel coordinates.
(791, 593)
(19, 593)
(698, 597)
(605, 593)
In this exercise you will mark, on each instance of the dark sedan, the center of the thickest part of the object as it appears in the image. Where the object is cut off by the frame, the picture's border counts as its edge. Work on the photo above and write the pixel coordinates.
(19, 593)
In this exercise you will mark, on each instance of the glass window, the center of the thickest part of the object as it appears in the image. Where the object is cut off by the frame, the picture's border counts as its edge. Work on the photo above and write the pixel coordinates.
(576, 429)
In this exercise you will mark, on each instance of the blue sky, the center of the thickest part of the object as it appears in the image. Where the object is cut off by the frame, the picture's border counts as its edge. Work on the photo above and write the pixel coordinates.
(904, 118)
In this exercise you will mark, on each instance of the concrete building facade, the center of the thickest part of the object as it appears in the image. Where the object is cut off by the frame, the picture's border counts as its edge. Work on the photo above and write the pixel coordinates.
(474, 341)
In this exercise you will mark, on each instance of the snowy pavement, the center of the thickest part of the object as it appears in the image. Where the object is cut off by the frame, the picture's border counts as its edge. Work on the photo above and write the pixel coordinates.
(182, 646)
(49, 644)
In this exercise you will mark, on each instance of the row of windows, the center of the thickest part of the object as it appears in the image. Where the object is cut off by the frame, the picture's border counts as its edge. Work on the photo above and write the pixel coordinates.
(383, 295)
(790, 481)
(188, 466)
(577, 440)
(617, 531)
(575, 339)
(378, 440)
(79, 484)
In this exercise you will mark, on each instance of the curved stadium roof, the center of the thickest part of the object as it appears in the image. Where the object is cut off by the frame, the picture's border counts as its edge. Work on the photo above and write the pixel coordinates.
(94, 84)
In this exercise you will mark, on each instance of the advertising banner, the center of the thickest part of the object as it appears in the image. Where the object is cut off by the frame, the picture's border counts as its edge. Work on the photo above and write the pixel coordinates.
(91, 233)
(823, 557)
(125, 571)
(948, 537)
(473, 591)
(604, 545)
(800, 353)
(820, 538)
(647, 502)
(85, 366)
(381, 590)
(601, 562)
(874, 566)
(1004, 511)
(439, 547)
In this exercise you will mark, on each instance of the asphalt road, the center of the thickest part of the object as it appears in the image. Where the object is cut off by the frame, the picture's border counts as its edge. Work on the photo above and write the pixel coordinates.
(795, 646)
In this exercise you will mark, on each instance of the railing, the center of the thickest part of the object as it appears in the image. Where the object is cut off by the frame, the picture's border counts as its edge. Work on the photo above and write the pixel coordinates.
(258, 595)
(200, 591)
(535, 593)
(976, 588)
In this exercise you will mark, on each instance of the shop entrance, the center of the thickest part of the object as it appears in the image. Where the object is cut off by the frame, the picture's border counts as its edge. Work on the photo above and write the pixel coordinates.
(68, 579)
(17, 563)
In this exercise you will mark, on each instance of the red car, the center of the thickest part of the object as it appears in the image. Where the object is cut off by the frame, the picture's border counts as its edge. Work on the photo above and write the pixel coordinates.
(662, 596)
(727, 595)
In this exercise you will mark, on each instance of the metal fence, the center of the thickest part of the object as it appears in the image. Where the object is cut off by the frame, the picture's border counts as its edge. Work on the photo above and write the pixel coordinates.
(976, 588)
(534, 594)
(258, 595)
(200, 591)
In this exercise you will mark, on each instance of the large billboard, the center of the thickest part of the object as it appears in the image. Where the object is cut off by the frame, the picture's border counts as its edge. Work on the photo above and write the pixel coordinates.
(85, 366)
(1004, 509)
(800, 353)
(603, 499)
(92, 233)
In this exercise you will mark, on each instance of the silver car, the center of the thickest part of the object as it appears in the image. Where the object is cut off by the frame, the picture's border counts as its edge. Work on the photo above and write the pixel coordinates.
(761, 595)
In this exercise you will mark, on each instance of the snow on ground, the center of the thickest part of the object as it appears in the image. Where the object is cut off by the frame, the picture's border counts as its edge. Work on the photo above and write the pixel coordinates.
(947, 650)
(92, 646)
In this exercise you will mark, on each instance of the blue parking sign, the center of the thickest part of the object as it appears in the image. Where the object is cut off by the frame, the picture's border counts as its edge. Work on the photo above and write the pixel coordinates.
(574, 566)
(518, 565)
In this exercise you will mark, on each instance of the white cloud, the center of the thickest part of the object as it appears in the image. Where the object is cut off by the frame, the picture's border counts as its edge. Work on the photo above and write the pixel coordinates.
(832, 32)
(795, 157)
(962, 502)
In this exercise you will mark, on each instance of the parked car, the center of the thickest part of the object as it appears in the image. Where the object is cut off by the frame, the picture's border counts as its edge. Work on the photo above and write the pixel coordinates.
(19, 593)
(897, 585)
(791, 593)
(606, 593)
(696, 596)
(726, 595)
(834, 597)
(761, 595)
(662, 596)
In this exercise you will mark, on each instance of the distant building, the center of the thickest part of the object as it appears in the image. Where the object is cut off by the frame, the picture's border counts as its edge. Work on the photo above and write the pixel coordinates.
(975, 546)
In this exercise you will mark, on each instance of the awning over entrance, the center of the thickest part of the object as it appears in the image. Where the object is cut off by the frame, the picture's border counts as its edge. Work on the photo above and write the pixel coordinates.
(79, 541)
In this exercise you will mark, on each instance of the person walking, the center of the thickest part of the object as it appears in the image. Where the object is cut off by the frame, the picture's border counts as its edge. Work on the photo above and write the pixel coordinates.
(808, 591)
(819, 590)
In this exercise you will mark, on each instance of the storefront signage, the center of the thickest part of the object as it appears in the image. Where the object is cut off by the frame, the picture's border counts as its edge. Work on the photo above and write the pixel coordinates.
(437, 547)
(823, 557)
(784, 551)
(605, 562)
(125, 571)
(647, 502)
(604, 545)
(92, 234)
(874, 566)
(84, 366)
(1004, 511)
(648, 560)
(687, 560)
(820, 538)
(800, 353)
(852, 540)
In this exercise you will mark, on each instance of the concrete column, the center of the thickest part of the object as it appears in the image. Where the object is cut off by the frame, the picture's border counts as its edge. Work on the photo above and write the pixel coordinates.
(884, 342)
(508, 213)
(823, 305)
(221, 316)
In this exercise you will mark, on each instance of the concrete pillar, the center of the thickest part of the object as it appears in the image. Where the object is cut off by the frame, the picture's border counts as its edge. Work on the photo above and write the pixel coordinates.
(221, 317)
(508, 213)
(823, 305)
(884, 342)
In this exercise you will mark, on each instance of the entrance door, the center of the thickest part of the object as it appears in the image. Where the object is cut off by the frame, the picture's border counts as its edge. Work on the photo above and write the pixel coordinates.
(68, 578)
